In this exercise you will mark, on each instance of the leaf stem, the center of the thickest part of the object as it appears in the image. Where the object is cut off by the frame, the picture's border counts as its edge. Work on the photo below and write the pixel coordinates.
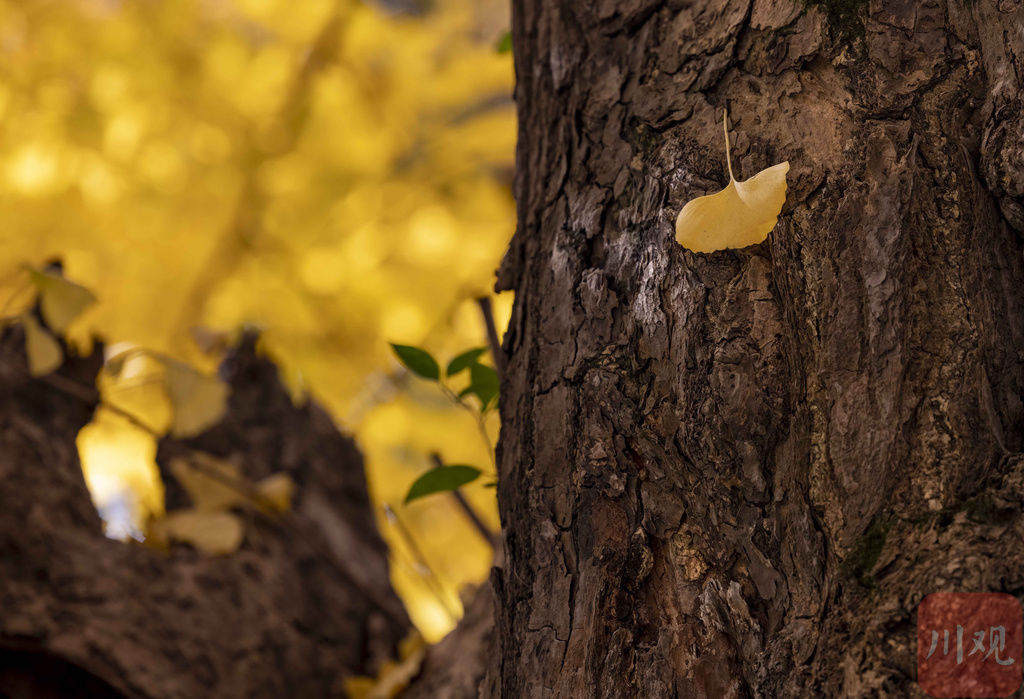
(478, 417)
(725, 128)
(135, 350)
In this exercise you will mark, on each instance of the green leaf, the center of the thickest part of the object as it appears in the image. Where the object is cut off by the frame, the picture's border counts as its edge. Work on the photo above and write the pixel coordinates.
(418, 361)
(440, 480)
(464, 361)
(484, 383)
(504, 43)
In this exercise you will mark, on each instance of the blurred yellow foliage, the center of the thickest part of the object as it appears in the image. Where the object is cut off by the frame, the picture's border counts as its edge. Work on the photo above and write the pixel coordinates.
(335, 173)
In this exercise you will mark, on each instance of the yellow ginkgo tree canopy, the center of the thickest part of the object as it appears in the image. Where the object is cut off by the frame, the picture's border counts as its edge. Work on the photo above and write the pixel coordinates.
(335, 173)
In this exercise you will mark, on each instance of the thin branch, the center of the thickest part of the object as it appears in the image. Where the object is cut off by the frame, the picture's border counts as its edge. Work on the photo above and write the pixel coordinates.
(478, 417)
(487, 311)
(433, 582)
(481, 426)
(18, 291)
(492, 335)
(244, 227)
(82, 392)
(91, 397)
(471, 514)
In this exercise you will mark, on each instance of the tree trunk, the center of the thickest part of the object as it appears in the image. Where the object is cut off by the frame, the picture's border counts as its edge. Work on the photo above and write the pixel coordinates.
(304, 603)
(736, 474)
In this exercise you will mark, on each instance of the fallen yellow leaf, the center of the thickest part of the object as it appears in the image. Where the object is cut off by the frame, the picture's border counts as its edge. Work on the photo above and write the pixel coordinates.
(411, 644)
(359, 686)
(43, 350)
(742, 214)
(216, 533)
(393, 677)
(210, 341)
(276, 491)
(60, 300)
(198, 401)
(209, 485)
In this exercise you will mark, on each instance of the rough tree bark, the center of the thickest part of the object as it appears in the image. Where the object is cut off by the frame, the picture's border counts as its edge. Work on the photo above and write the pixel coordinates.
(736, 474)
(303, 604)
(722, 475)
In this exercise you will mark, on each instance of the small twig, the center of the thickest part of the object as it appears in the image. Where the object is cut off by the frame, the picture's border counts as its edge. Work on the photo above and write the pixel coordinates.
(244, 227)
(91, 396)
(13, 297)
(471, 514)
(478, 418)
(481, 426)
(263, 507)
(482, 529)
(133, 419)
(433, 582)
(72, 388)
(487, 312)
(492, 335)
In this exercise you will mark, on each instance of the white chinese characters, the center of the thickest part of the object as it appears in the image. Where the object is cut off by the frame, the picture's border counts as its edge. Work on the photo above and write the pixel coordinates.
(996, 644)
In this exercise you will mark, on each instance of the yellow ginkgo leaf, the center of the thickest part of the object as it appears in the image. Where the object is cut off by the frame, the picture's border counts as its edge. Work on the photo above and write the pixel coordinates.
(216, 533)
(209, 483)
(156, 533)
(119, 355)
(359, 686)
(742, 214)
(392, 678)
(44, 352)
(198, 401)
(210, 341)
(60, 300)
(411, 644)
(277, 491)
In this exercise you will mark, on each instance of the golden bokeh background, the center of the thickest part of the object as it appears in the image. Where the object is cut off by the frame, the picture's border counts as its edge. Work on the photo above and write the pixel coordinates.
(335, 173)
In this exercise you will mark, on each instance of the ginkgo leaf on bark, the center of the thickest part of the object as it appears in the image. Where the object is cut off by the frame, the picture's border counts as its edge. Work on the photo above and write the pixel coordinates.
(43, 350)
(742, 214)
(60, 300)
